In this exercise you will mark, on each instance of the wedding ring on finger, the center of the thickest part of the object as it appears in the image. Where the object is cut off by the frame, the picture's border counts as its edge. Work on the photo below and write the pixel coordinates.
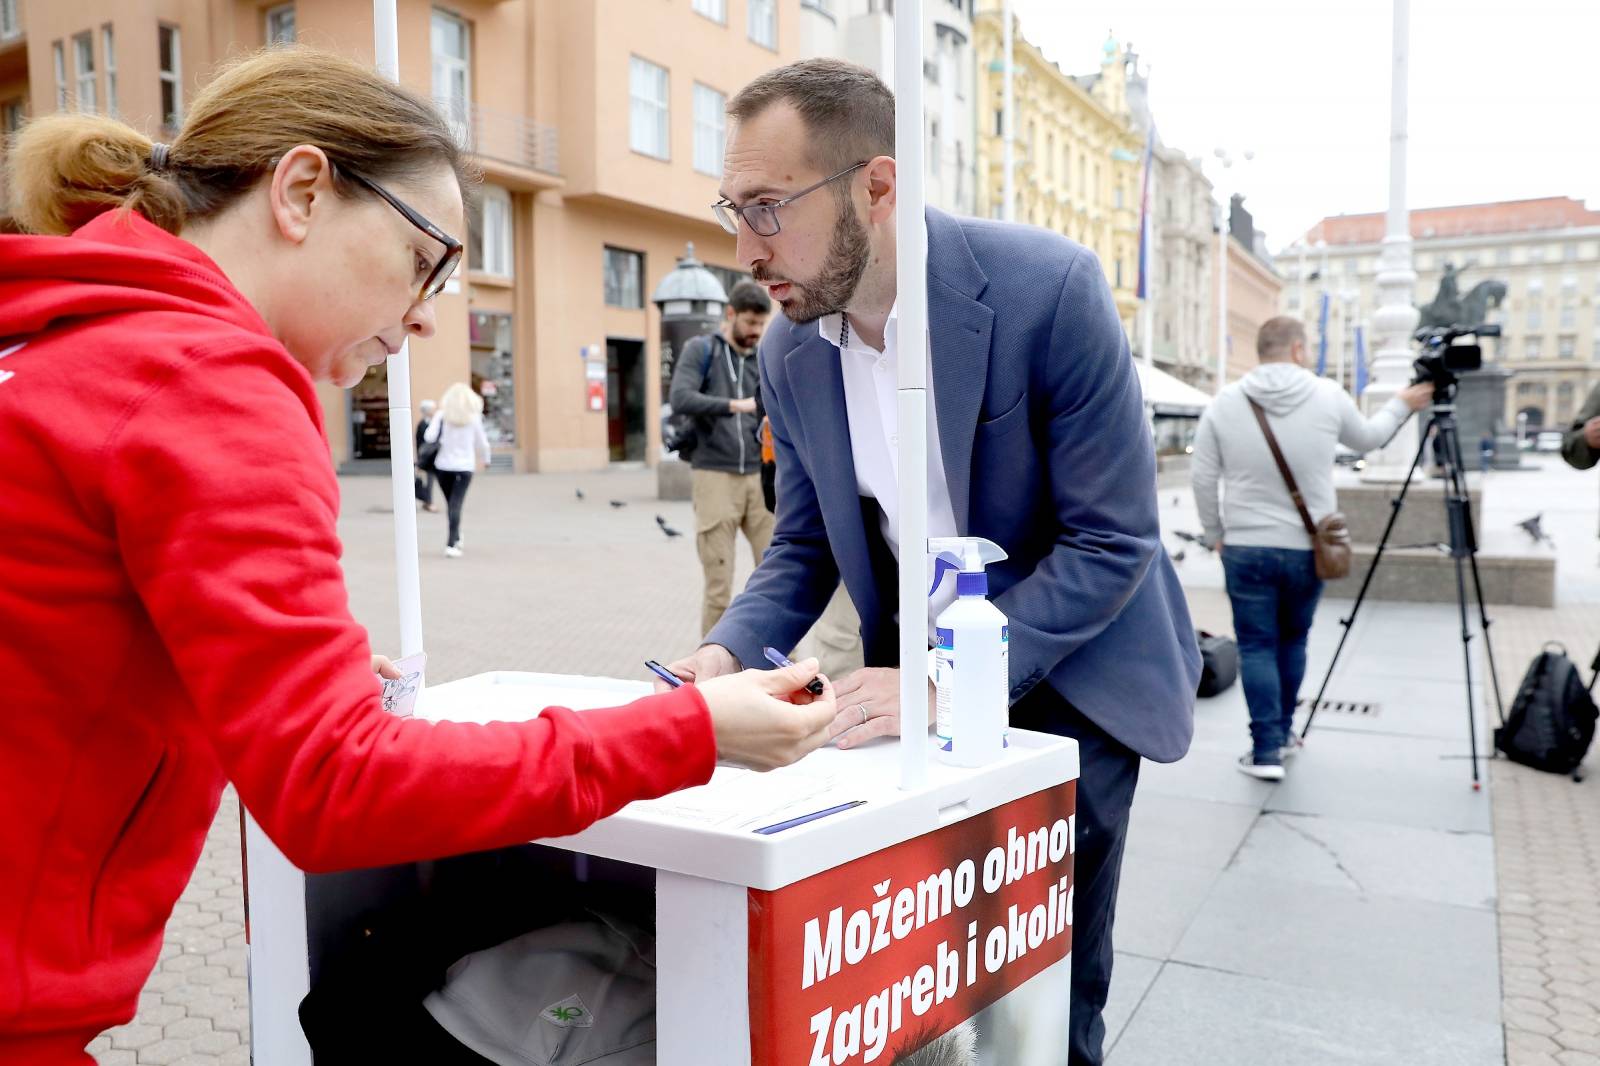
(865, 717)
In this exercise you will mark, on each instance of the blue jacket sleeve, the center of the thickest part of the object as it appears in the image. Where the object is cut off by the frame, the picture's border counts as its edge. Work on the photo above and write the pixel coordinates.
(1102, 472)
(794, 580)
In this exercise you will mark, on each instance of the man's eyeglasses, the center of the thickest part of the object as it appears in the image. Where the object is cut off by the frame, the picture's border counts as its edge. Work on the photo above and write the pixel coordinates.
(435, 281)
(763, 218)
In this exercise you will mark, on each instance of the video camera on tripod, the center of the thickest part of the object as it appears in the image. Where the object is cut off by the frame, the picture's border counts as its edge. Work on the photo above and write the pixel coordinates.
(1442, 358)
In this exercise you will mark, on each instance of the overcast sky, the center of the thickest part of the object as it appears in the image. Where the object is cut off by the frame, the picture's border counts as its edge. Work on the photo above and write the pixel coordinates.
(1504, 100)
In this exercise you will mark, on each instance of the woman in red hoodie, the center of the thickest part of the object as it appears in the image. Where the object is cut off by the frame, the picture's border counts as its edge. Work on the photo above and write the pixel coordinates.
(172, 611)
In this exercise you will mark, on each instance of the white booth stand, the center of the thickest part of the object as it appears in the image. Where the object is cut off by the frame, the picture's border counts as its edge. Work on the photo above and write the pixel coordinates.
(853, 938)
(929, 910)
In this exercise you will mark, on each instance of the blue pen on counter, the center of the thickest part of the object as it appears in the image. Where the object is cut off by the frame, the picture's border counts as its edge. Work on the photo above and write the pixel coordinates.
(663, 673)
(804, 818)
(777, 658)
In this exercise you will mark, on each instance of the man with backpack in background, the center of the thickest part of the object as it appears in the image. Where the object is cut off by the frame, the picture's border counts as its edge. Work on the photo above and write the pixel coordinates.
(716, 384)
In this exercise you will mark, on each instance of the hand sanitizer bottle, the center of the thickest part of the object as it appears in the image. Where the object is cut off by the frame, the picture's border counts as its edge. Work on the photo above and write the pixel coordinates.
(972, 660)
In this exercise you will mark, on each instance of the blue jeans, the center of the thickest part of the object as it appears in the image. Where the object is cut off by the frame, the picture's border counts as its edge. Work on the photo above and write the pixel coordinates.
(1274, 592)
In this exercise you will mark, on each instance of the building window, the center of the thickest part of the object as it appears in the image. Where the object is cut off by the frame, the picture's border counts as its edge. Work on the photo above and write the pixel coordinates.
(83, 70)
(624, 278)
(999, 123)
(280, 24)
(11, 116)
(1569, 252)
(1597, 349)
(715, 10)
(1569, 318)
(1119, 194)
(169, 48)
(108, 45)
(1536, 253)
(647, 125)
(9, 24)
(59, 56)
(1294, 301)
(710, 130)
(451, 41)
(1502, 256)
(1530, 347)
(489, 246)
(764, 23)
(1567, 346)
(1535, 317)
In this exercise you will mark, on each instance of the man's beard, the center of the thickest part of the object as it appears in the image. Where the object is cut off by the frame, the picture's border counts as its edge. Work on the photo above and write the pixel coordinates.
(831, 290)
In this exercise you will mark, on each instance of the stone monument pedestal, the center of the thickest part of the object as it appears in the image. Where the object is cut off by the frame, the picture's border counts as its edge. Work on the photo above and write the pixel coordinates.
(1414, 568)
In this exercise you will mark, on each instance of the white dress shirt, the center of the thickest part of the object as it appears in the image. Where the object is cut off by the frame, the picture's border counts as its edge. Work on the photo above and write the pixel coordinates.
(871, 387)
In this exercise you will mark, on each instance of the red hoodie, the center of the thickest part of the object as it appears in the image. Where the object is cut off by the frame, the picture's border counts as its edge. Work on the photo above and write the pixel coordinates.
(173, 615)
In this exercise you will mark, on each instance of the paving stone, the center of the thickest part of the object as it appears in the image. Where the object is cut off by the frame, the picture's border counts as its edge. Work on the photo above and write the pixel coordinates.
(187, 1027)
(135, 1036)
(163, 1052)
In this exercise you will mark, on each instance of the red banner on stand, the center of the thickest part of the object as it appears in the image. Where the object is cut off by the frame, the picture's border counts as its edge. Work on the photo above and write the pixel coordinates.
(877, 958)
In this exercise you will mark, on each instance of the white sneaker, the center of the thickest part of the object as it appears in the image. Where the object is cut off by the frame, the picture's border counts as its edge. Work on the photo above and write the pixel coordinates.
(453, 552)
(1261, 771)
(1291, 747)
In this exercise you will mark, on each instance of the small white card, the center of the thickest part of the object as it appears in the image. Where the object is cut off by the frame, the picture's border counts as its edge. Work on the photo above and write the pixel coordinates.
(570, 1013)
(400, 694)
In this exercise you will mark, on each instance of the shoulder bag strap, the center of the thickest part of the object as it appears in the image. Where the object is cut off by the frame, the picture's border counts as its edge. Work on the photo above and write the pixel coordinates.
(1283, 468)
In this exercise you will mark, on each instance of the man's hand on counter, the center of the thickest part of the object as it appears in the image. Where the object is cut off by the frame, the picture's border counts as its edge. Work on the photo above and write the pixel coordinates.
(869, 706)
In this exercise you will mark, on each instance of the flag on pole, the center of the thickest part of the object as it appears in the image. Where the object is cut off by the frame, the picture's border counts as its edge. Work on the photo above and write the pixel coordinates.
(1144, 213)
(1361, 362)
(1322, 343)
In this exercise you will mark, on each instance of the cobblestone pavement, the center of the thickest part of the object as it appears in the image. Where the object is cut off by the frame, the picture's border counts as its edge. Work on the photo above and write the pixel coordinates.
(554, 583)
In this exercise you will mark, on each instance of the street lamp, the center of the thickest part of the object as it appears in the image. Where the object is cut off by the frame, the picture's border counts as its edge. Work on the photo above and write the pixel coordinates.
(1225, 217)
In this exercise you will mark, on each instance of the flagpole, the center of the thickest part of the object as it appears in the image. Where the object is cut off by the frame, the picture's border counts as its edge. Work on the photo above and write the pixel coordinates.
(1147, 254)
(1008, 107)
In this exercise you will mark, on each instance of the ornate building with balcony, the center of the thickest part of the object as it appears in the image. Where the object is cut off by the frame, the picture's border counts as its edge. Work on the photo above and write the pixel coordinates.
(1078, 158)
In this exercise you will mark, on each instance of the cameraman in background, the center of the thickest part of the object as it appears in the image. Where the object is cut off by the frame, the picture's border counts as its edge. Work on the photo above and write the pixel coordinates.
(1266, 549)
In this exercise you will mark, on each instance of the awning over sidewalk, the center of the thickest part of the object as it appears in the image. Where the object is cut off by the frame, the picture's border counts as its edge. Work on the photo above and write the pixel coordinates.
(1166, 395)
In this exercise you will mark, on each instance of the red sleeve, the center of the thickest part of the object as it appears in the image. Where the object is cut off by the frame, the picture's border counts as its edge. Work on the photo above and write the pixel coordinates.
(225, 506)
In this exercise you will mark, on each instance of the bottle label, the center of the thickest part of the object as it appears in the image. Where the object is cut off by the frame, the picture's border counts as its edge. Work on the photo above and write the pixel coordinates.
(944, 664)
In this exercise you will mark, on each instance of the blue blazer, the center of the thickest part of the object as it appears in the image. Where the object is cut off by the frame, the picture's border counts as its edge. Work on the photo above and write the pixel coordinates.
(1047, 453)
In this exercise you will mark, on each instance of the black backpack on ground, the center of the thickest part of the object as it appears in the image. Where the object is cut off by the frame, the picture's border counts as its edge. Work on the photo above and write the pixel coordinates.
(1219, 662)
(1552, 720)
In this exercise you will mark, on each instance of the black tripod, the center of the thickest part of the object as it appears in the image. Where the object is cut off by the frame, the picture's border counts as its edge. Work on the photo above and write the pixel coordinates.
(1463, 548)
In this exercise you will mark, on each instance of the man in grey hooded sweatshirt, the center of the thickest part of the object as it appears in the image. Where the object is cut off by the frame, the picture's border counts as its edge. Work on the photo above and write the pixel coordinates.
(1266, 551)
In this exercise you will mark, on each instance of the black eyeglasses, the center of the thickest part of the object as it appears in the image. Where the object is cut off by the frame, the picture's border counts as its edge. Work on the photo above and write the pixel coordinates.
(446, 265)
(763, 218)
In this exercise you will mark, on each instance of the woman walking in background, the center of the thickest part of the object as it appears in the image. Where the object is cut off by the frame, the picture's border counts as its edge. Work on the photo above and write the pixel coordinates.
(458, 428)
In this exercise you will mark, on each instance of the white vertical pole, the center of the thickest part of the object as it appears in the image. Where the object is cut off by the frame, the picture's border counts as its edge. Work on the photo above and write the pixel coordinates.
(408, 579)
(1396, 317)
(1008, 124)
(911, 290)
(1222, 293)
(1300, 299)
(1148, 244)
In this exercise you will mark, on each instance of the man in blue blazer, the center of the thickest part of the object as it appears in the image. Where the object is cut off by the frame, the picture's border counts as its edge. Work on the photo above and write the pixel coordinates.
(1037, 441)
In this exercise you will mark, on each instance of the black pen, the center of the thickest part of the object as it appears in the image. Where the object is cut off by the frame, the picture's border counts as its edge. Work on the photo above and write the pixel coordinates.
(663, 673)
(777, 658)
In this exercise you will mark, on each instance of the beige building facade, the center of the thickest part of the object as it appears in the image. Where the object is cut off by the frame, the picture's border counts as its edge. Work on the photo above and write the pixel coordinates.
(1078, 159)
(598, 126)
(1546, 251)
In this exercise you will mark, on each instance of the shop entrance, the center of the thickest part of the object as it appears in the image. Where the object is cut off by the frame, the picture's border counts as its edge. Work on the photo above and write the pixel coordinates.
(625, 399)
(369, 415)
